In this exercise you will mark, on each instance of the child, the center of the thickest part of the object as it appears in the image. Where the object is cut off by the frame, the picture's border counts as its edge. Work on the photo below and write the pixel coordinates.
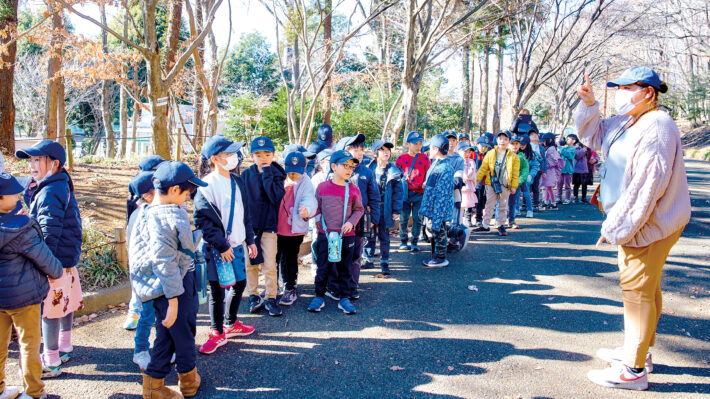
(53, 205)
(389, 181)
(483, 145)
(297, 206)
(592, 160)
(324, 142)
(539, 153)
(339, 210)
(522, 179)
(323, 159)
(523, 124)
(25, 264)
(567, 153)
(454, 158)
(501, 170)
(554, 171)
(438, 202)
(265, 183)
(223, 216)
(581, 167)
(414, 166)
(148, 164)
(162, 271)
(468, 192)
(533, 161)
(142, 187)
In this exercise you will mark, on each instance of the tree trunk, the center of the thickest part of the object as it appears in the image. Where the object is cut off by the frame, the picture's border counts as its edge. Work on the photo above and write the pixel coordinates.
(123, 102)
(212, 102)
(484, 88)
(327, 35)
(61, 114)
(198, 92)
(54, 66)
(174, 24)
(8, 23)
(134, 129)
(472, 89)
(106, 86)
(410, 104)
(499, 80)
(157, 89)
(466, 88)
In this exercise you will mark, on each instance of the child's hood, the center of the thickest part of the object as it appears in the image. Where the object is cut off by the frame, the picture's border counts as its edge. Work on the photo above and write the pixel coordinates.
(11, 226)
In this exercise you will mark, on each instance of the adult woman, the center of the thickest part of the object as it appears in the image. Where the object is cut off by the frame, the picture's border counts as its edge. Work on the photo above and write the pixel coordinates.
(644, 192)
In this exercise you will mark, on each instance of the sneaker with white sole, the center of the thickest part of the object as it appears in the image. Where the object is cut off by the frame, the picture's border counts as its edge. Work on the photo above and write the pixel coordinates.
(617, 375)
(51, 371)
(131, 321)
(214, 341)
(332, 296)
(289, 297)
(9, 392)
(26, 396)
(141, 359)
(616, 355)
(237, 330)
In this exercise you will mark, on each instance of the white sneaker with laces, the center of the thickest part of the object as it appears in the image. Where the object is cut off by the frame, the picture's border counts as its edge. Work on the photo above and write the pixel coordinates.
(616, 355)
(617, 375)
(9, 392)
(142, 359)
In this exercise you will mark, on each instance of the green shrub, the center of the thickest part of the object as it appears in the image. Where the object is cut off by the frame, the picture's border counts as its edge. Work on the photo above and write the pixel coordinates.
(98, 266)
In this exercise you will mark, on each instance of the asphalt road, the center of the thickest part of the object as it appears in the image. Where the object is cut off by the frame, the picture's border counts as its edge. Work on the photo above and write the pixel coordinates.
(545, 300)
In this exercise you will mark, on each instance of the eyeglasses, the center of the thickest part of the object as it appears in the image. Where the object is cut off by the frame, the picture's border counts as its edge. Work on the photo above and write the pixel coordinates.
(348, 167)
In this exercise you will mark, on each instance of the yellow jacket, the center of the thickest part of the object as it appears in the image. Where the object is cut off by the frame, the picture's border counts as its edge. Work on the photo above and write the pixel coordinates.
(512, 163)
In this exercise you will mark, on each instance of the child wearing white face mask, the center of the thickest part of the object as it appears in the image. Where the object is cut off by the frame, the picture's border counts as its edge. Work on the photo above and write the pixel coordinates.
(53, 205)
(222, 213)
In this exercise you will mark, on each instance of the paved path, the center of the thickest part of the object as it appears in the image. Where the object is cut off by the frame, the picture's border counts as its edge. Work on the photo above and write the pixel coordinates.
(546, 299)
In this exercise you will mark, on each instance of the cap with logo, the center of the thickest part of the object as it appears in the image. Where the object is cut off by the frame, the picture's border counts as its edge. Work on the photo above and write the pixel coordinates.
(381, 143)
(217, 144)
(295, 162)
(262, 144)
(516, 137)
(172, 173)
(484, 140)
(463, 146)
(45, 148)
(414, 137)
(9, 185)
(449, 134)
(464, 136)
(325, 133)
(504, 133)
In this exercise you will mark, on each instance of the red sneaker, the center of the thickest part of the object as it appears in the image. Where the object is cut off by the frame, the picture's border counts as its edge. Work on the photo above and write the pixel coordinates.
(214, 341)
(237, 330)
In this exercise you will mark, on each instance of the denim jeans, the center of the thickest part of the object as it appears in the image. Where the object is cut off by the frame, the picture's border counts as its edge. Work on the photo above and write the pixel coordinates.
(135, 305)
(411, 207)
(145, 323)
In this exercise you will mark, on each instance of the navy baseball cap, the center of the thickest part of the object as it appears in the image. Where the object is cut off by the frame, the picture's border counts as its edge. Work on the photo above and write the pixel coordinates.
(141, 183)
(216, 144)
(45, 148)
(463, 146)
(425, 146)
(358, 139)
(9, 185)
(172, 173)
(381, 143)
(505, 133)
(150, 163)
(325, 133)
(525, 139)
(639, 74)
(298, 148)
(262, 144)
(323, 155)
(516, 137)
(464, 136)
(441, 142)
(414, 137)
(484, 140)
(342, 156)
(295, 162)
(449, 133)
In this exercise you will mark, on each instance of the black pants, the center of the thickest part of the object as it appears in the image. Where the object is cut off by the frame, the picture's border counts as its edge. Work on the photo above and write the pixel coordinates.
(481, 204)
(178, 339)
(438, 239)
(287, 258)
(580, 179)
(334, 275)
(219, 314)
(535, 190)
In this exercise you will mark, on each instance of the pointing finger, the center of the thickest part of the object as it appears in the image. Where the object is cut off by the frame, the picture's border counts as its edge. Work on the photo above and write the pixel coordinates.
(589, 82)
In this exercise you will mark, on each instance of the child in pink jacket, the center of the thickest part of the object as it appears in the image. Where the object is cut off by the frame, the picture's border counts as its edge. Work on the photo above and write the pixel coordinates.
(554, 171)
(468, 191)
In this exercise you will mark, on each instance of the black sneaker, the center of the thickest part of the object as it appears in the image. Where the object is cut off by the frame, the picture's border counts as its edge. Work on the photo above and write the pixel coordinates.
(481, 228)
(385, 268)
(273, 307)
(355, 295)
(255, 303)
(553, 207)
(584, 201)
(367, 265)
(501, 231)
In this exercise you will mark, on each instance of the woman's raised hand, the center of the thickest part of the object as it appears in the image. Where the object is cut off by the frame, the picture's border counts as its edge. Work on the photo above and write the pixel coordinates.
(585, 92)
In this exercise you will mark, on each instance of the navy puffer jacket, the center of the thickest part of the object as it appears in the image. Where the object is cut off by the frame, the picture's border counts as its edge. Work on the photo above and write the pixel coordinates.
(54, 207)
(25, 263)
(265, 191)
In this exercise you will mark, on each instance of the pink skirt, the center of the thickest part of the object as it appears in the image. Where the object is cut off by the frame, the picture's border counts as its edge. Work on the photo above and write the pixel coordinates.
(64, 295)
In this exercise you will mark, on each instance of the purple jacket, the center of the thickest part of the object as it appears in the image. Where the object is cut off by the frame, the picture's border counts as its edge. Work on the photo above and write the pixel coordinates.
(580, 161)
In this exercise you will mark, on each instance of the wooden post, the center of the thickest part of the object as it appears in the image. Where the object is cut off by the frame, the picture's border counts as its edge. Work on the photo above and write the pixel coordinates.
(121, 249)
(69, 146)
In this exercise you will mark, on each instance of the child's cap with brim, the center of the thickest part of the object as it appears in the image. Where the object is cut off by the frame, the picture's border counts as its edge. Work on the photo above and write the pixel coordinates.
(342, 156)
(141, 183)
(323, 155)
(45, 148)
(217, 144)
(172, 173)
(9, 184)
(381, 143)
(150, 163)
(262, 144)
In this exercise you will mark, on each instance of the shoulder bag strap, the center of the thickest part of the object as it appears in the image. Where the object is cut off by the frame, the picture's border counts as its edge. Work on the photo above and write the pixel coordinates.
(414, 162)
(231, 207)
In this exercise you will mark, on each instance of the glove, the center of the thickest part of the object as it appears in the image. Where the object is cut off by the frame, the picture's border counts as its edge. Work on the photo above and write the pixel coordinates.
(529, 179)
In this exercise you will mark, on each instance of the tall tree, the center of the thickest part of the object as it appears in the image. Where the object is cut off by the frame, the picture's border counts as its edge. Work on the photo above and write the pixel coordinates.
(106, 87)
(8, 24)
(54, 66)
(328, 42)
(497, 92)
(466, 87)
(485, 78)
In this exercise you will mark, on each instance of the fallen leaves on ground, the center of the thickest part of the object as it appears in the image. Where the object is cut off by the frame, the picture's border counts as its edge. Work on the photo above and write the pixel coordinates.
(396, 368)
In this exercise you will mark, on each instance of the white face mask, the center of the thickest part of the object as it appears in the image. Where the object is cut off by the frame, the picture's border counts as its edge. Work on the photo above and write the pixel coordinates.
(623, 102)
(232, 161)
(50, 172)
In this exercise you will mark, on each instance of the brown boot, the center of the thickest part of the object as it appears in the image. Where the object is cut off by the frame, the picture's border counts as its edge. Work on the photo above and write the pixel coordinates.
(189, 383)
(154, 388)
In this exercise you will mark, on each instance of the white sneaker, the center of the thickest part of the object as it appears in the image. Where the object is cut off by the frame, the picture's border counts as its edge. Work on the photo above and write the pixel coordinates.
(9, 392)
(616, 355)
(142, 359)
(529, 214)
(619, 376)
(26, 396)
